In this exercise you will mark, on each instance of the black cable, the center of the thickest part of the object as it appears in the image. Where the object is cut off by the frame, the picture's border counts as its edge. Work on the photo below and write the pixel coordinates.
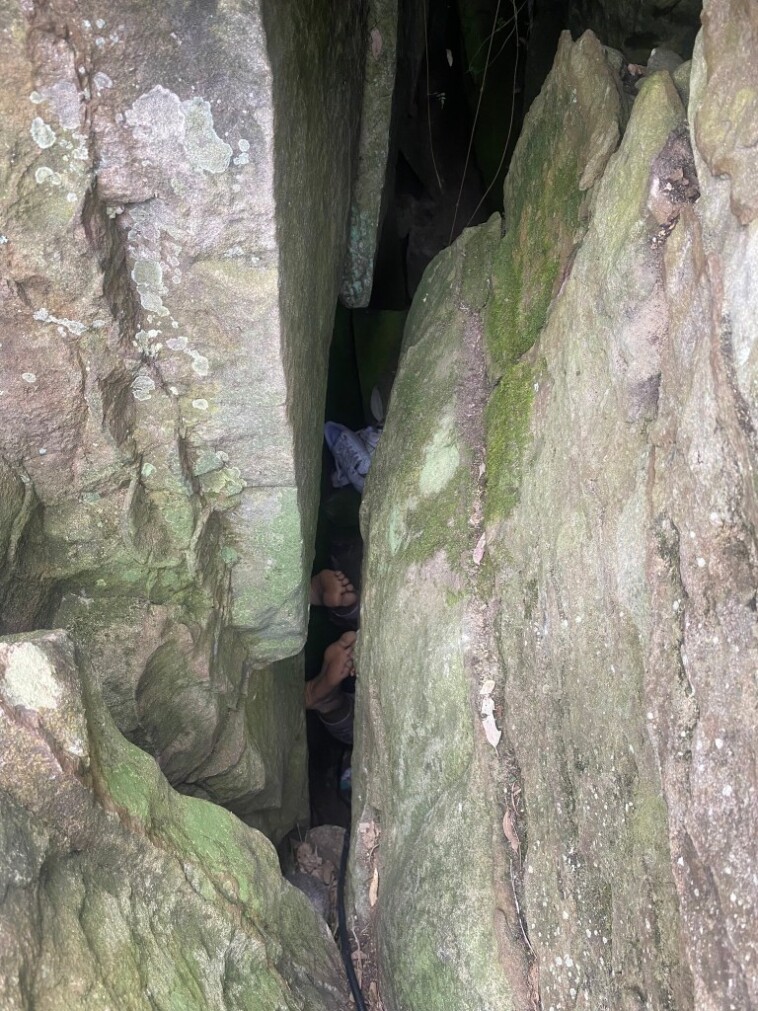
(342, 920)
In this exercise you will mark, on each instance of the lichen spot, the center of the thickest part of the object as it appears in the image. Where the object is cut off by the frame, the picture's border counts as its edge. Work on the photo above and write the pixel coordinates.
(148, 276)
(142, 387)
(30, 678)
(205, 149)
(45, 174)
(441, 460)
(102, 81)
(42, 135)
(29, 377)
(200, 363)
(200, 404)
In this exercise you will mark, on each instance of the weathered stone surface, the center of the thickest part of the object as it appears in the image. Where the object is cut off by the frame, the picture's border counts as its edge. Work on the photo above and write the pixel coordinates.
(430, 788)
(569, 557)
(369, 191)
(608, 612)
(169, 280)
(118, 893)
(726, 118)
(638, 29)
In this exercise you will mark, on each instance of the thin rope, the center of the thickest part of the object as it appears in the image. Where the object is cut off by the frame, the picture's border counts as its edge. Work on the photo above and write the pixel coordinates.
(428, 96)
(476, 118)
(508, 137)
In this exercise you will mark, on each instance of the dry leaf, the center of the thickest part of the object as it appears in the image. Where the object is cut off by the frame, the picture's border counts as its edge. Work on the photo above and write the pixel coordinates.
(308, 860)
(510, 832)
(479, 549)
(487, 688)
(369, 833)
(488, 706)
(373, 891)
(490, 729)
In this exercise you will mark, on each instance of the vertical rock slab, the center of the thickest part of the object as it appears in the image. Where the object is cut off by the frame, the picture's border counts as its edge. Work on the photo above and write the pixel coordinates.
(568, 545)
(118, 893)
(169, 280)
(624, 553)
(590, 609)
(368, 195)
(703, 562)
(445, 916)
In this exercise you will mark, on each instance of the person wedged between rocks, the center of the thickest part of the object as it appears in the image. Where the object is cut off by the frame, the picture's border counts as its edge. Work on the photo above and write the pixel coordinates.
(324, 693)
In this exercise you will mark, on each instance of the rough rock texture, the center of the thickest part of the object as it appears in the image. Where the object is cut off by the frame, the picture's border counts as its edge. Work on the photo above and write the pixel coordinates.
(429, 789)
(638, 28)
(558, 656)
(369, 191)
(168, 286)
(116, 891)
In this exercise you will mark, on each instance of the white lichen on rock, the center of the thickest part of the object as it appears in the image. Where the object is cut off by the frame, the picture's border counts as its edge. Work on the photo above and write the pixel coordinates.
(29, 677)
(42, 135)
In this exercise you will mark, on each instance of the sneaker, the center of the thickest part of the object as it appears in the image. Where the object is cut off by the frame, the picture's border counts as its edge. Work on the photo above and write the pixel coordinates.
(352, 452)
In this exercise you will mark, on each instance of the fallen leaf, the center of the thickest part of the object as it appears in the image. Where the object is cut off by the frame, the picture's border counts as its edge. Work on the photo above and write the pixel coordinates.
(479, 549)
(487, 688)
(490, 729)
(373, 891)
(308, 860)
(509, 830)
(369, 833)
(488, 706)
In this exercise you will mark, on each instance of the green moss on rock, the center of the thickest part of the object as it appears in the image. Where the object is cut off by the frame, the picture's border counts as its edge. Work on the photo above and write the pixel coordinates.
(507, 427)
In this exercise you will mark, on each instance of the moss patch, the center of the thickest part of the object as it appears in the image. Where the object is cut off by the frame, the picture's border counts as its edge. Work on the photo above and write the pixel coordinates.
(507, 428)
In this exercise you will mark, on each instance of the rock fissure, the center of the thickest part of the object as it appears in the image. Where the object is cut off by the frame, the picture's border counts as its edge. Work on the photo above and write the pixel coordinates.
(554, 762)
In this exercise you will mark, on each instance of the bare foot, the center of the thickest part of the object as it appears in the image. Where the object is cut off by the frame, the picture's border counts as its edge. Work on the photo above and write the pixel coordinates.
(337, 665)
(332, 588)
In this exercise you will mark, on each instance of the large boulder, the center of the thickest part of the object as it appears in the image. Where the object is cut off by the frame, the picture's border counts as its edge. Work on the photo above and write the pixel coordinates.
(557, 726)
(118, 893)
(169, 282)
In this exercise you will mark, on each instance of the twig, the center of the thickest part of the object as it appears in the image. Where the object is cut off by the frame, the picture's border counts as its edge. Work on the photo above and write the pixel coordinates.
(476, 118)
(428, 96)
(508, 137)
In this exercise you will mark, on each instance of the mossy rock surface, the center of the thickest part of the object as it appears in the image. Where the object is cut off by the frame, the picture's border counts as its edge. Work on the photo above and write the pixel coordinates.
(608, 606)
(119, 893)
(572, 129)
(440, 882)
(369, 195)
(165, 348)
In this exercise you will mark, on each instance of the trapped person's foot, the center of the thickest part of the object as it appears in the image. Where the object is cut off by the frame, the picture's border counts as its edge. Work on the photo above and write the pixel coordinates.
(322, 692)
(332, 588)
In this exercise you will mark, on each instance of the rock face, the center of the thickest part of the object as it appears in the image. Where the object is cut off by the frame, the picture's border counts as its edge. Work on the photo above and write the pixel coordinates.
(168, 286)
(116, 891)
(636, 30)
(373, 152)
(556, 709)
